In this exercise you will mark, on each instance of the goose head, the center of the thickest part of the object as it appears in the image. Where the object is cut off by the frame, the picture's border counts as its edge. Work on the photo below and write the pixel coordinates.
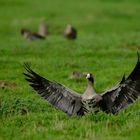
(70, 32)
(25, 31)
(43, 29)
(90, 78)
(69, 27)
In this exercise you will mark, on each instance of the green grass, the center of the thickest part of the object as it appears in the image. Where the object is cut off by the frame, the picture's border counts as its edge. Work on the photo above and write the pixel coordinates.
(107, 43)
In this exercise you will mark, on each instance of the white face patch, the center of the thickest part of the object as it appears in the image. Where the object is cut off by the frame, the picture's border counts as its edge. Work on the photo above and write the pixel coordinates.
(88, 75)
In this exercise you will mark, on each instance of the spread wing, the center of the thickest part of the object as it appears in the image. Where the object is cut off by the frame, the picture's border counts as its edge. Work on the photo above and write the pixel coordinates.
(124, 94)
(56, 94)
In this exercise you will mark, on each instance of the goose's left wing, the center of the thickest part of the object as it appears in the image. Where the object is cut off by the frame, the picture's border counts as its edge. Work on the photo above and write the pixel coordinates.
(124, 94)
(56, 94)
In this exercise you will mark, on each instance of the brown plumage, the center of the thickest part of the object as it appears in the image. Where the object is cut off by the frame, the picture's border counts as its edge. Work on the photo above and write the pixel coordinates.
(77, 74)
(7, 84)
(43, 29)
(72, 103)
(27, 34)
(70, 32)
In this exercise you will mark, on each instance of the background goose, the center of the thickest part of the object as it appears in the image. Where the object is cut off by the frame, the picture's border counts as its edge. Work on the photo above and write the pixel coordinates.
(77, 74)
(27, 34)
(70, 32)
(72, 103)
(43, 29)
(7, 84)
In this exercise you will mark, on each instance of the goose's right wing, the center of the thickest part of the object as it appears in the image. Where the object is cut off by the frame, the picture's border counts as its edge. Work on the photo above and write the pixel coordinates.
(125, 93)
(56, 94)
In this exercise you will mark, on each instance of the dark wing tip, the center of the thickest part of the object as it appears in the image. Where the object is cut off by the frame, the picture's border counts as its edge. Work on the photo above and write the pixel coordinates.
(123, 79)
(29, 73)
(28, 69)
(138, 56)
(26, 66)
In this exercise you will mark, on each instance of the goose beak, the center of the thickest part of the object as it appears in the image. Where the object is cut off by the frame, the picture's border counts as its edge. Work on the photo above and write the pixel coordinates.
(88, 76)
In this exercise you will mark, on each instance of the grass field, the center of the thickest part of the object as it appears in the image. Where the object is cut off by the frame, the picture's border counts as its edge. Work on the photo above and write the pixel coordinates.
(107, 43)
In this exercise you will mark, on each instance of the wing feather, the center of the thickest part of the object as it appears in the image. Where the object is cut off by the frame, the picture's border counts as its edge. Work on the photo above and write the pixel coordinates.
(56, 94)
(124, 94)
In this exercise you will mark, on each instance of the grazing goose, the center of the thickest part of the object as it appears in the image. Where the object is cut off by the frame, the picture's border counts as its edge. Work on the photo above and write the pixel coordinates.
(77, 74)
(27, 34)
(72, 103)
(70, 32)
(43, 29)
(7, 84)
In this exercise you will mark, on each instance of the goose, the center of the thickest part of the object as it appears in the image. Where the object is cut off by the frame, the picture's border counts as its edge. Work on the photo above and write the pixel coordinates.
(76, 74)
(43, 29)
(70, 32)
(72, 103)
(7, 84)
(27, 34)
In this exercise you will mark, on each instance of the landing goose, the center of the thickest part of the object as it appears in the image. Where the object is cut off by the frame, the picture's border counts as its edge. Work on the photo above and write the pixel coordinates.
(70, 32)
(27, 34)
(73, 103)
